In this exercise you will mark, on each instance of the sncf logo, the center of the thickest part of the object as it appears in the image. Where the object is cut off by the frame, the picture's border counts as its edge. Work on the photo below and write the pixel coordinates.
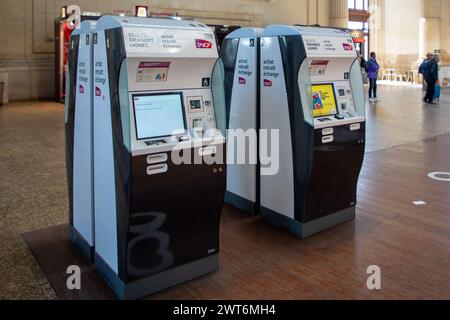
(242, 80)
(347, 47)
(267, 83)
(81, 89)
(98, 92)
(203, 44)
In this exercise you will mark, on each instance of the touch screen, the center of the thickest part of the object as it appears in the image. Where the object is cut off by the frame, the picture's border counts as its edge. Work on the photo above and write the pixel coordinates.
(158, 115)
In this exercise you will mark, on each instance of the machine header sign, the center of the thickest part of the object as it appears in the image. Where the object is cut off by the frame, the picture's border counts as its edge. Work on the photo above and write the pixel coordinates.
(328, 46)
(178, 42)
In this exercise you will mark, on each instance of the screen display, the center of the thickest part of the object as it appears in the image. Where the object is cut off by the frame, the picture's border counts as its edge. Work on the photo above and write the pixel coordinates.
(158, 115)
(324, 100)
(195, 104)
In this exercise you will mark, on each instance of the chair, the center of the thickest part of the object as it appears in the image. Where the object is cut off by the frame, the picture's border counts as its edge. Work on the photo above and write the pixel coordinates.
(409, 77)
(399, 76)
(387, 74)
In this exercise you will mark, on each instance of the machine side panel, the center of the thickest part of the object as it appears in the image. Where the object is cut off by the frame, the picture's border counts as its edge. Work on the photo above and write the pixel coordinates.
(228, 55)
(104, 174)
(70, 118)
(83, 180)
(122, 155)
(242, 114)
(277, 191)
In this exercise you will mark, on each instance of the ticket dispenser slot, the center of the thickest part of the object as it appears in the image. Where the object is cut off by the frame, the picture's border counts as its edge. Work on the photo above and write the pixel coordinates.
(155, 230)
(157, 169)
(157, 158)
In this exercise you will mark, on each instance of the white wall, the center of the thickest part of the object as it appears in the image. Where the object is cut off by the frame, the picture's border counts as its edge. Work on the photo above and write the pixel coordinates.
(27, 29)
(397, 41)
(401, 32)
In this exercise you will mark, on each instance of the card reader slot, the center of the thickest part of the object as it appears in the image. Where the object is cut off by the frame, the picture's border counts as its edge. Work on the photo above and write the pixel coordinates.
(157, 169)
(157, 158)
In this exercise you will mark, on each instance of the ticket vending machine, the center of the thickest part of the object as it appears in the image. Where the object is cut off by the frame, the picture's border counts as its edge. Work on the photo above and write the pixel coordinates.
(79, 138)
(158, 135)
(240, 57)
(312, 92)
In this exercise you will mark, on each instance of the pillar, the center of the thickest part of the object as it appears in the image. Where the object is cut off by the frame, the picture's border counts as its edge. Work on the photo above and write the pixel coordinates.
(377, 29)
(339, 13)
(431, 24)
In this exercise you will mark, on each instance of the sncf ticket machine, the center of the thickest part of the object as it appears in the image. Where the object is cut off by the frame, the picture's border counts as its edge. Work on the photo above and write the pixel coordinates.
(239, 54)
(158, 135)
(79, 138)
(312, 92)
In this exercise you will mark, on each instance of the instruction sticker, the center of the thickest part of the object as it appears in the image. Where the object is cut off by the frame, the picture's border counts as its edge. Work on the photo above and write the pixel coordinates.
(319, 67)
(152, 71)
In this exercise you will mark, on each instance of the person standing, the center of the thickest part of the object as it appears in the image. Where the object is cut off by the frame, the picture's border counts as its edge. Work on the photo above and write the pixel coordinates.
(372, 68)
(431, 76)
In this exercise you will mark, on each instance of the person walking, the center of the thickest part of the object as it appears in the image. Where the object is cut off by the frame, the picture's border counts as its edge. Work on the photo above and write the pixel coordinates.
(423, 66)
(431, 76)
(372, 68)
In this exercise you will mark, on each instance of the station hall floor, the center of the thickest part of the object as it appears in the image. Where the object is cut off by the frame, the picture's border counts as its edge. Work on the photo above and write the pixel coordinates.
(406, 140)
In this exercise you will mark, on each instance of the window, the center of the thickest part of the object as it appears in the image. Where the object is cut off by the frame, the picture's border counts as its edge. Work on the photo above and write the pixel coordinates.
(358, 4)
(358, 21)
(357, 25)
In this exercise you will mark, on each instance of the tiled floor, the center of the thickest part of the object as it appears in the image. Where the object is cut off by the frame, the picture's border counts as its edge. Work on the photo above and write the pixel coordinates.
(401, 117)
(33, 185)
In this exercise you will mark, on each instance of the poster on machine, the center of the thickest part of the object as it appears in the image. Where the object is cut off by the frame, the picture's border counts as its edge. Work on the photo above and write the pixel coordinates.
(152, 71)
(324, 101)
(319, 67)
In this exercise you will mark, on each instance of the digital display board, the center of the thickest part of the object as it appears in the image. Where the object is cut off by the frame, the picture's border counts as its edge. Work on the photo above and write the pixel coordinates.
(158, 115)
(324, 100)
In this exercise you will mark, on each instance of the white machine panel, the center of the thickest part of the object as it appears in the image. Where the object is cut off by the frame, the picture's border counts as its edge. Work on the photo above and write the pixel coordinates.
(104, 176)
(83, 214)
(241, 178)
(274, 112)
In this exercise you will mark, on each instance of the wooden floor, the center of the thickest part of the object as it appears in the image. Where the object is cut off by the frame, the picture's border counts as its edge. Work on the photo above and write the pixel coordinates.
(411, 244)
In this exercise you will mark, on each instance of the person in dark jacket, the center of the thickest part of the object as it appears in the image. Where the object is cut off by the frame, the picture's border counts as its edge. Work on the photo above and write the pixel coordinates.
(423, 66)
(372, 68)
(431, 76)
